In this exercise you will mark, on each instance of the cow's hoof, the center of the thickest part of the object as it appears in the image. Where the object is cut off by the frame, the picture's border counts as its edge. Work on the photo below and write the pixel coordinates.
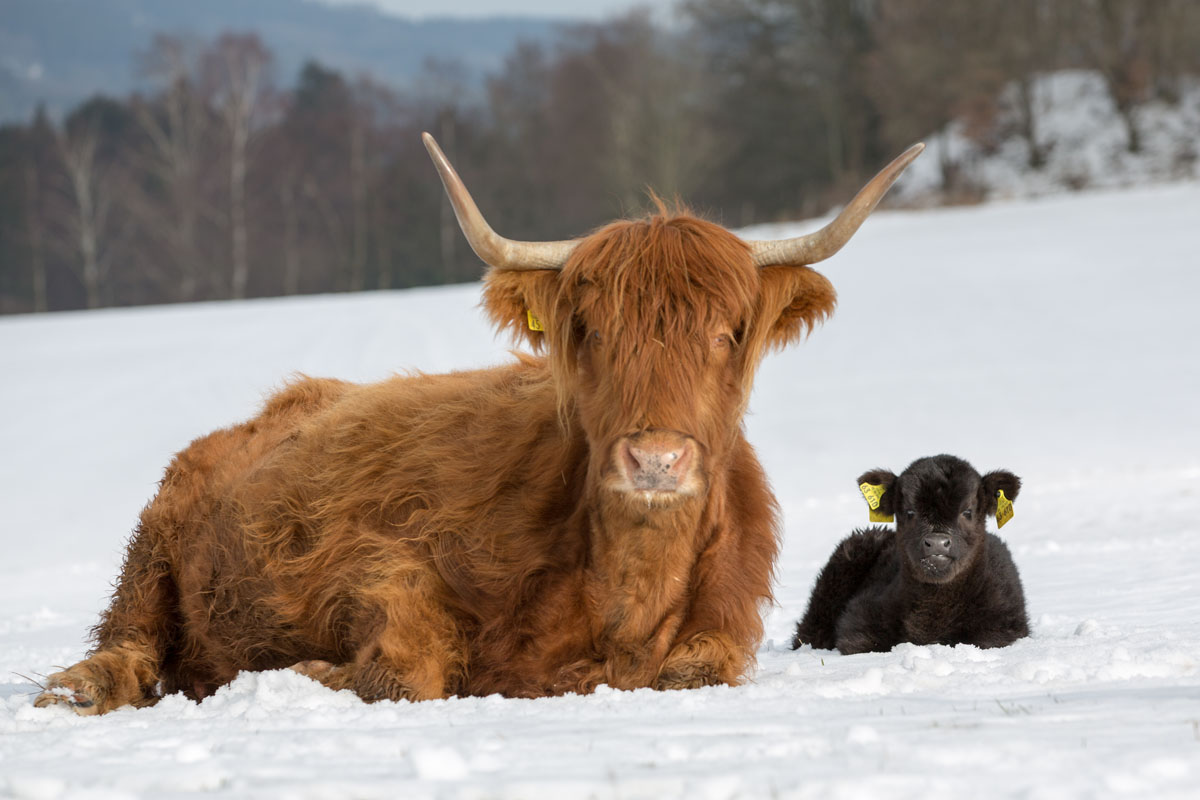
(687, 676)
(316, 669)
(81, 701)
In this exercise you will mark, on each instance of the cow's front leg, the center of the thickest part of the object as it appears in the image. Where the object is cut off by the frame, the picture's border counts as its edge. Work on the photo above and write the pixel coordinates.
(866, 627)
(112, 677)
(335, 676)
(139, 626)
(371, 681)
(705, 659)
(418, 654)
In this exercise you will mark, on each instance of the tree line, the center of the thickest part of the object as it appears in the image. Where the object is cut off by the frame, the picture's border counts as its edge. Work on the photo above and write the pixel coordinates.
(218, 183)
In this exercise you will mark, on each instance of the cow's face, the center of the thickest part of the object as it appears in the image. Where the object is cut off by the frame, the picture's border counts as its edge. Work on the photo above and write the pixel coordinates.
(654, 329)
(941, 506)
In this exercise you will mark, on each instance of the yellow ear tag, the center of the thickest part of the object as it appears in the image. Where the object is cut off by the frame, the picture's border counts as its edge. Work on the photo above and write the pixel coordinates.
(535, 324)
(872, 492)
(1004, 509)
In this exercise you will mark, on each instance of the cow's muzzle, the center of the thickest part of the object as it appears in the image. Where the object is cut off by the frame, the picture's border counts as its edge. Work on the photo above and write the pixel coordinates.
(658, 461)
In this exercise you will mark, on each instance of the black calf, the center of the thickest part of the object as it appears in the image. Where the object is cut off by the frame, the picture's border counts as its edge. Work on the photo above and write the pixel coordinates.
(939, 578)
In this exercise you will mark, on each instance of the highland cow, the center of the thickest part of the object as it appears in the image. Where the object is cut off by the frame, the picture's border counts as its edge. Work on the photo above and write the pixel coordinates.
(938, 578)
(591, 516)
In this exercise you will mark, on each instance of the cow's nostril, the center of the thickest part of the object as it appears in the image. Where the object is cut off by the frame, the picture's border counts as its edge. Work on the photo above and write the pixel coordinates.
(679, 458)
(629, 455)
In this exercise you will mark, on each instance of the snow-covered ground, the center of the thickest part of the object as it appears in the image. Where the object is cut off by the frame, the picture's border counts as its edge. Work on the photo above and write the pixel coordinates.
(1084, 141)
(1056, 338)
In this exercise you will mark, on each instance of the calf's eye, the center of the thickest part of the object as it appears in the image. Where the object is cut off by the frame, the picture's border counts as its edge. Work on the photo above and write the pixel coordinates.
(910, 514)
(968, 513)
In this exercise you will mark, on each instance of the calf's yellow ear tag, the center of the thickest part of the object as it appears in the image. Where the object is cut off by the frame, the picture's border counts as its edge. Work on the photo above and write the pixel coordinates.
(535, 324)
(1004, 509)
(872, 492)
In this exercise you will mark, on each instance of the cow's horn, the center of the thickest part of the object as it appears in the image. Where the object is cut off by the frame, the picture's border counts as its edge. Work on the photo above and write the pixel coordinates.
(824, 243)
(493, 248)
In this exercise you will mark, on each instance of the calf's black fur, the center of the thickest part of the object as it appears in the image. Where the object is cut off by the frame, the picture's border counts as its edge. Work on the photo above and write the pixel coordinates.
(939, 578)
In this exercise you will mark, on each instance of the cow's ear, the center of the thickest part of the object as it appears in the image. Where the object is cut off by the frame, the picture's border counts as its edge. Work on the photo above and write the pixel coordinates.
(523, 303)
(886, 479)
(993, 483)
(792, 301)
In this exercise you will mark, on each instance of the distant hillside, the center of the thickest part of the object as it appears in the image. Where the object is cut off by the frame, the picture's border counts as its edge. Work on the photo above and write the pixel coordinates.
(60, 51)
(1083, 141)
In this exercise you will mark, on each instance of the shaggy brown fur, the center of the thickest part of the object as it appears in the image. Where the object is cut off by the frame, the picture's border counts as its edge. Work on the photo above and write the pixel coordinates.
(466, 533)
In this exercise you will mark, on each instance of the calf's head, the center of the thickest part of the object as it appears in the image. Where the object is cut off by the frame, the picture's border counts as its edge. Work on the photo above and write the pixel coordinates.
(654, 328)
(941, 505)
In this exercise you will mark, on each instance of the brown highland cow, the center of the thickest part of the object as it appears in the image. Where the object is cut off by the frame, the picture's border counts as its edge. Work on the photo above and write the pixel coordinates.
(594, 515)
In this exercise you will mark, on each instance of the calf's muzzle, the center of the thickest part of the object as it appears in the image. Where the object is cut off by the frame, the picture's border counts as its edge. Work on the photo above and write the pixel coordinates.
(936, 544)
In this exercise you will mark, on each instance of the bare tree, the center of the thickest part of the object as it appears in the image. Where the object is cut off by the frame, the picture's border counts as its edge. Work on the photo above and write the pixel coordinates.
(358, 203)
(369, 105)
(1029, 38)
(91, 202)
(331, 220)
(33, 224)
(291, 230)
(933, 63)
(237, 65)
(1118, 38)
(177, 127)
(443, 89)
(827, 44)
(647, 96)
(766, 107)
(447, 226)
(1173, 33)
(811, 55)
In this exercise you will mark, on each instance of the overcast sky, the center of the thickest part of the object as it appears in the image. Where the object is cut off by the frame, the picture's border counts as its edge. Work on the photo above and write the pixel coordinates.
(588, 9)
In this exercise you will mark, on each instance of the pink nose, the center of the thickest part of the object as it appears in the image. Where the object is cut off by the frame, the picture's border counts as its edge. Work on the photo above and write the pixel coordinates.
(656, 460)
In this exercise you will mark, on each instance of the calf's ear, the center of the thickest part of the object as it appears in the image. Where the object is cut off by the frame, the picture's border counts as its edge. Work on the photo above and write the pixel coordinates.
(993, 483)
(886, 479)
(523, 303)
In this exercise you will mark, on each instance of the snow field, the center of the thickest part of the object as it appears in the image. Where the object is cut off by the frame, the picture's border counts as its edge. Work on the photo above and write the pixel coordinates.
(1054, 338)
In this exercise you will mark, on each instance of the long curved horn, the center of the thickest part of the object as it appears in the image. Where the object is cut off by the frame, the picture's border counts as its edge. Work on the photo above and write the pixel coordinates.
(822, 244)
(493, 248)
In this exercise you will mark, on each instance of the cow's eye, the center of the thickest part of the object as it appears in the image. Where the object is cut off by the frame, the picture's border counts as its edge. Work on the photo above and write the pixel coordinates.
(968, 513)
(910, 514)
(722, 340)
(594, 337)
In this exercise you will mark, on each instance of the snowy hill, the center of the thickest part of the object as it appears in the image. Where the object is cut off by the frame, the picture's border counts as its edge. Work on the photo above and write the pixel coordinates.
(1055, 338)
(1082, 137)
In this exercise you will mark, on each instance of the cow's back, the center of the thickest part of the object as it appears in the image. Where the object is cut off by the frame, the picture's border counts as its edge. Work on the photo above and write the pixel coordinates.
(204, 474)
